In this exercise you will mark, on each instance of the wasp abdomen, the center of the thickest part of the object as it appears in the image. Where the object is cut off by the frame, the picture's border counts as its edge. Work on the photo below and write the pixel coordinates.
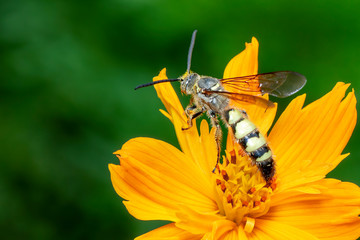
(252, 141)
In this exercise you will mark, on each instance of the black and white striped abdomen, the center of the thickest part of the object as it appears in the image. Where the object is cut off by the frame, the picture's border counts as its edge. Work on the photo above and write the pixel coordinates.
(252, 142)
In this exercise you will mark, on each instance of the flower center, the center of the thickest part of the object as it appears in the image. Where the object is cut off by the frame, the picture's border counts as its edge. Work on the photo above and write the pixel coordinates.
(243, 194)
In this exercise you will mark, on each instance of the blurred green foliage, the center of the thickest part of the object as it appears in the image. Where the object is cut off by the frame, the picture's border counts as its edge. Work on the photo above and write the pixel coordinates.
(67, 74)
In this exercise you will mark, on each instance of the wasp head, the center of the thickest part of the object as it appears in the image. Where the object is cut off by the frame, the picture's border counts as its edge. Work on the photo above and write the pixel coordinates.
(188, 83)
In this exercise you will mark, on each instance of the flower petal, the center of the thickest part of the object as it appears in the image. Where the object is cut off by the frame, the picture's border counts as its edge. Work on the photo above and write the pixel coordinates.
(307, 142)
(267, 229)
(262, 118)
(244, 64)
(202, 150)
(196, 222)
(156, 177)
(213, 226)
(331, 213)
(168, 232)
(225, 230)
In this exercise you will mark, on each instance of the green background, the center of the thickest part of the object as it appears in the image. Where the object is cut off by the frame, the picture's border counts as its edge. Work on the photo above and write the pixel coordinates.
(67, 75)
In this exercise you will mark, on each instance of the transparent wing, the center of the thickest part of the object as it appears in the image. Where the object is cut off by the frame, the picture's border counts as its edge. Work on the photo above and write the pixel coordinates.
(278, 84)
(257, 100)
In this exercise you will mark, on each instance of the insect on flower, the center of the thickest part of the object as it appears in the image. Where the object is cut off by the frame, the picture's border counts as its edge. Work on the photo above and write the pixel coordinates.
(210, 95)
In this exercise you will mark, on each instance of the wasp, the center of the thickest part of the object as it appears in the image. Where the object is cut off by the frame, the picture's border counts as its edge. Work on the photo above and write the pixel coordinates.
(209, 95)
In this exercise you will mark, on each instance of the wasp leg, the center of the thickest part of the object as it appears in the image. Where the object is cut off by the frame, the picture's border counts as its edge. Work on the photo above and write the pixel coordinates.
(218, 137)
(192, 112)
(189, 109)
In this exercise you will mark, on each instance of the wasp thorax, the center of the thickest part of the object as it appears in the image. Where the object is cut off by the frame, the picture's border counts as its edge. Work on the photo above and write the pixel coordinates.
(209, 83)
(188, 82)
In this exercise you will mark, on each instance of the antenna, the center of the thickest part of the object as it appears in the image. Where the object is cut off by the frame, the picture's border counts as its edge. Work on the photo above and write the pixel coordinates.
(156, 82)
(192, 43)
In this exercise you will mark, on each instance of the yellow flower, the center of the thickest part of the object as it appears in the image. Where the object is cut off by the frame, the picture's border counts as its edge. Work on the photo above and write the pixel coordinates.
(160, 182)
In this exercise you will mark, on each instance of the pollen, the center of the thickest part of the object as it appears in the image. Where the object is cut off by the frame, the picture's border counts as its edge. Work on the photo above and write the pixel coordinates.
(229, 199)
(242, 193)
(245, 203)
(233, 157)
(252, 190)
(224, 175)
(223, 187)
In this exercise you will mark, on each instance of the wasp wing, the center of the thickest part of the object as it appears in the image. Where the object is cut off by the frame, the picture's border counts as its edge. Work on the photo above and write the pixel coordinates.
(242, 97)
(278, 84)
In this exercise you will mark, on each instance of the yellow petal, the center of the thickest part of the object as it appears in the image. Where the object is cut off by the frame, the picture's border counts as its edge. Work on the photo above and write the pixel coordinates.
(245, 63)
(307, 142)
(262, 118)
(269, 230)
(196, 222)
(224, 229)
(208, 148)
(331, 213)
(214, 226)
(202, 150)
(168, 96)
(155, 178)
(168, 232)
